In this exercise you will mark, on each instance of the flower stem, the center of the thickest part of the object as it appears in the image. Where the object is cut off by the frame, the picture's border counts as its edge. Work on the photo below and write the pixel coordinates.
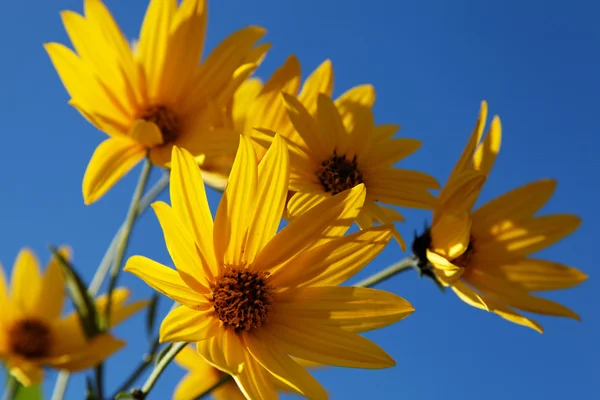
(158, 370)
(146, 362)
(60, 387)
(11, 389)
(394, 269)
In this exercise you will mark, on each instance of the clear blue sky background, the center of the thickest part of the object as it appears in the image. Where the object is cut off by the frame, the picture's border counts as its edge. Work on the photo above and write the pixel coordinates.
(432, 62)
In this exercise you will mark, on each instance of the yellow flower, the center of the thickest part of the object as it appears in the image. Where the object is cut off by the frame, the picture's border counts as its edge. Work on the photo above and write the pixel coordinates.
(157, 96)
(334, 145)
(251, 297)
(483, 255)
(32, 334)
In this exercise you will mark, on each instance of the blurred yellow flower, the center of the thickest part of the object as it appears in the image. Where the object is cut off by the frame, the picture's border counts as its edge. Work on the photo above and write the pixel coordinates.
(334, 145)
(32, 334)
(251, 297)
(157, 95)
(483, 255)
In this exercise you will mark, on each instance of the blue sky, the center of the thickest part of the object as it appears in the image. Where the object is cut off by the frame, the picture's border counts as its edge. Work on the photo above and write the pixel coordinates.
(431, 62)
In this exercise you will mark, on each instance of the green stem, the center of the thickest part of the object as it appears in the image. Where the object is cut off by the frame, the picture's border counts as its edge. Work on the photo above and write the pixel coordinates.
(60, 387)
(158, 370)
(125, 235)
(146, 362)
(224, 379)
(99, 372)
(11, 389)
(403, 265)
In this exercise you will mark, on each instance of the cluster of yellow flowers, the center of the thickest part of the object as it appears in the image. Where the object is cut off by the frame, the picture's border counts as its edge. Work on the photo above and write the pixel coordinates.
(263, 303)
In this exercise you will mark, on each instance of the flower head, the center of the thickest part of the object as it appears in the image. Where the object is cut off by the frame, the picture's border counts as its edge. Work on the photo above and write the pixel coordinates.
(335, 145)
(155, 96)
(484, 255)
(252, 297)
(32, 333)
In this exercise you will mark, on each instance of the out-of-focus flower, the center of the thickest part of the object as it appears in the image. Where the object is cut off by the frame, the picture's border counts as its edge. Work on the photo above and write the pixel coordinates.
(157, 96)
(251, 297)
(32, 333)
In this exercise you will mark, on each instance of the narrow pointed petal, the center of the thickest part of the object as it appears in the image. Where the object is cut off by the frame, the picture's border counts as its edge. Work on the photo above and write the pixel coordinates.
(190, 263)
(511, 315)
(93, 353)
(223, 351)
(301, 202)
(165, 280)
(273, 179)
(184, 324)
(112, 159)
(26, 282)
(466, 157)
(306, 127)
(468, 295)
(319, 81)
(190, 203)
(283, 368)
(451, 235)
(325, 222)
(486, 153)
(355, 309)
(444, 269)
(329, 345)
(51, 302)
(332, 132)
(391, 151)
(537, 275)
(120, 310)
(26, 373)
(460, 194)
(255, 382)
(236, 206)
(334, 262)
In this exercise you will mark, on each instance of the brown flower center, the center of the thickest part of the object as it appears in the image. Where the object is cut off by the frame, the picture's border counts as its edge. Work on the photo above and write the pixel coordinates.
(337, 173)
(166, 120)
(465, 258)
(29, 338)
(242, 298)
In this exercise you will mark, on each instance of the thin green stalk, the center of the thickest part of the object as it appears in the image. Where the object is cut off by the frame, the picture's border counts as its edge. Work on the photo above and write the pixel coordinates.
(10, 391)
(146, 362)
(224, 379)
(158, 370)
(123, 242)
(403, 265)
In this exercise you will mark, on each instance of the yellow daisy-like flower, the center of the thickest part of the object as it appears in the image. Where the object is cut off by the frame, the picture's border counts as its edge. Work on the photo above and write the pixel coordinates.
(339, 147)
(483, 255)
(32, 333)
(251, 297)
(157, 96)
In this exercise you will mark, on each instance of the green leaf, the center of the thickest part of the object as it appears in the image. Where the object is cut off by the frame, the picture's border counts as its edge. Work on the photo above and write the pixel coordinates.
(123, 395)
(84, 303)
(151, 317)
(30, 393)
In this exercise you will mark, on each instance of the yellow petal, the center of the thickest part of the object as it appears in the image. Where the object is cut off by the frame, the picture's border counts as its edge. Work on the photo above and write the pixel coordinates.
(451, 235)
(242, 100)
(486, 153)
(319, 81)
(468, 295)
(189, 201)
(391, 151)
(27, 373)
(460, 194)
(511, 315)
(92, 353)
(516, 205)
(112, 159)
(120, 311)
(378, 213)
(466, 157)
(154, 39)
(329, 345)
(165, 280)
(255, 382)
(444, 269)
(326, 221)
(223, 351)
(236, 206)
(302, 202)
(52, 290)
(334, 262)
(536, 275)
(306, 127)
(512, 295)
(271, 194)
(146, 133)
(184, 324)
(383, 133)
(354, 107)
(283, 368)
(193, 385)
(332, 132)
(26, 282)
(190, 263)
(355, 309)
(402, 188)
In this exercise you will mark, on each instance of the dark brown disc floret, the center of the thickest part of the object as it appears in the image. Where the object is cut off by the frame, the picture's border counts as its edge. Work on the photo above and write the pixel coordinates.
(166, 120)
(242, 298)
(339, 173)
(30, 338)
